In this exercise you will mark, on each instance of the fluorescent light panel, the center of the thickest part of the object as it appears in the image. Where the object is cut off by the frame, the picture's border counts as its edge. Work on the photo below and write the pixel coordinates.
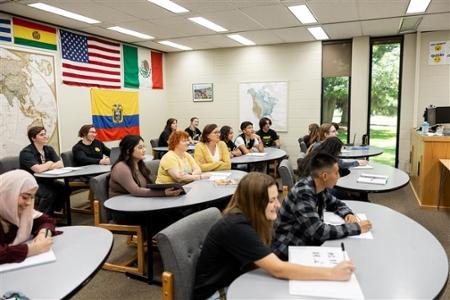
(303, 14)
(169, 5)
(208, 24)
(240, 39)
(318, 33)
(417, 6)
(62, 12)
(131, 32)
(175, 45)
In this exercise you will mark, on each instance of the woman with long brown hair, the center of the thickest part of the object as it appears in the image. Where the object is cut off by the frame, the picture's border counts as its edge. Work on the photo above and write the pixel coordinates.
(241, 240)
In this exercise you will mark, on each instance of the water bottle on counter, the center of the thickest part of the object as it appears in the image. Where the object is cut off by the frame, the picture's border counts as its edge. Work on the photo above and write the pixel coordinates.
(425, 127)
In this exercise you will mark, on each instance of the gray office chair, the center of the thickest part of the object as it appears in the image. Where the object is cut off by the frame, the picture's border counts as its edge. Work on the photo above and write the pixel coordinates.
(9, 163)
(286, 173)
(302, 145)
(114, 155)
(153, 166)
(103, 218)
(180, 245)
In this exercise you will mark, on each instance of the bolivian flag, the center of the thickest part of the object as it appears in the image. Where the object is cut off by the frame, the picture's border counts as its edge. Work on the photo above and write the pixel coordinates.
(115, 114)
(33, 34)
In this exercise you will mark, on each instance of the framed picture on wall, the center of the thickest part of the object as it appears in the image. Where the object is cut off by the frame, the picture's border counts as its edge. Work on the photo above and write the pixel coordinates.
(202, 92)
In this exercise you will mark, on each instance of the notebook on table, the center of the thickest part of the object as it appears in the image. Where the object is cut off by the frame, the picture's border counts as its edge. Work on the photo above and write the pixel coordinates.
(372, 178)
(177, 186)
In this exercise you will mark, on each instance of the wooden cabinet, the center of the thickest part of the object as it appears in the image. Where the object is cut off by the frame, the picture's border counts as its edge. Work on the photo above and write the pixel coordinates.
(425, 170)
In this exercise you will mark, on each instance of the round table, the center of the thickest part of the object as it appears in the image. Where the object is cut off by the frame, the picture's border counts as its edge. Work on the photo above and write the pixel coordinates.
(396, 179)
(198, 192)
(360, 151)
(403, 261)
(80, 252)
(82, 171)
(256, 157)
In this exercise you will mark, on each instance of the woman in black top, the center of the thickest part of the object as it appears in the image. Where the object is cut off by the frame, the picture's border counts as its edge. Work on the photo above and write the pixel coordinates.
(90, 151)
(171, 126)
(241, 240)
(226, 135)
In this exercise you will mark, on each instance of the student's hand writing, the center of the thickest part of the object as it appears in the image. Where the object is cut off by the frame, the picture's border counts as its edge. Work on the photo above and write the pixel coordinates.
(365, 226)
(342, 271)
(351, 218)
(40, 244)
(172, 192)
(105, 161)
(205, 175)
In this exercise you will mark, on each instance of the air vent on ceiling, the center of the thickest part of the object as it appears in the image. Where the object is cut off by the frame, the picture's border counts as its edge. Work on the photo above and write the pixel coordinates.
(409, 24)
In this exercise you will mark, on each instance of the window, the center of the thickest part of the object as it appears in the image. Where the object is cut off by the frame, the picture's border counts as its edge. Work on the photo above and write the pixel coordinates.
(336, 80)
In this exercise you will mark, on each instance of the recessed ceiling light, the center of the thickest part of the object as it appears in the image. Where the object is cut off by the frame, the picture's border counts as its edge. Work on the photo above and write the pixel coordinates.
(318, 33)
(303, 14)
(240, 39)
(169, 5)
(417, 6)
(131, 32)
(63, 12)
(175, 45)
(208, 24)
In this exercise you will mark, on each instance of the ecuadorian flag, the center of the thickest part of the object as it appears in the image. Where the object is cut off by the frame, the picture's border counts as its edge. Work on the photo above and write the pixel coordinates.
(115, 114)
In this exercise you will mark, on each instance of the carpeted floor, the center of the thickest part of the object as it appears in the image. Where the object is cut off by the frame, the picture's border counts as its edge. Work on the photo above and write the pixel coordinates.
(113, 285)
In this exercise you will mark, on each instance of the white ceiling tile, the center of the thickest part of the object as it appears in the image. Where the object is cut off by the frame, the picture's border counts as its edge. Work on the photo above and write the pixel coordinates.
(333, 10)
(99, 31)
(272, 16)
(156, 46)
(182, 25)
(381, 27)
(369, 9)
(291, 35)
(137, 8)
(439, 6)
(233, 20)
(205, 6)
(343, 30)
(262, 37)
(147, 27)
(435, 22)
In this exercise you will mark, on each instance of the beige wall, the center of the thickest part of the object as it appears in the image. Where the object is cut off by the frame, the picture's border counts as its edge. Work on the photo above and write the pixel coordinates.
(299, 64)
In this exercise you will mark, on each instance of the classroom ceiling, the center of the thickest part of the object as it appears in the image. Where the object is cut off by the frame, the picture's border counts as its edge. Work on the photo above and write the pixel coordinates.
(262, 21)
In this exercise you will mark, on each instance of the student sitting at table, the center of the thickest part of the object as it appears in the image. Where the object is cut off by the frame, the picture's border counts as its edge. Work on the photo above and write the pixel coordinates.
(19, 221)
(171, 126)
(241, 239)
(332, 146)
(326, 130)
(226, 135)
(312, 136)
(211, 153)
(269, 137)
(177, 165)
(129, 175)
(39, 157)
(90, 151)
(300, 220)
(193, 131)
(249, 141)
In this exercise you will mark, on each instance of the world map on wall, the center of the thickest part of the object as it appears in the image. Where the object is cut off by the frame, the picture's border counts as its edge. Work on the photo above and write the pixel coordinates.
(265, 99)
(27, 98)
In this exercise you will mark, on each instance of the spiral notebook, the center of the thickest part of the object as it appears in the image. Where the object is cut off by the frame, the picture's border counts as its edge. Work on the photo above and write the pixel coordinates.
(34, 260)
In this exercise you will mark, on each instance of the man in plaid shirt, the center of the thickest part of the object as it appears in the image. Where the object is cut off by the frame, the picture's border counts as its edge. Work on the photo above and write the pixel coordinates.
(300, 219)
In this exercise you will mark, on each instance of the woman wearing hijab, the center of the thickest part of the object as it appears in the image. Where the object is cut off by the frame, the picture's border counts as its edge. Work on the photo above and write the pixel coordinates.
(19, 221)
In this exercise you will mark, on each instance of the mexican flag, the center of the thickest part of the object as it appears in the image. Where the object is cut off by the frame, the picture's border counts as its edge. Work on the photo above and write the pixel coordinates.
(142, 68)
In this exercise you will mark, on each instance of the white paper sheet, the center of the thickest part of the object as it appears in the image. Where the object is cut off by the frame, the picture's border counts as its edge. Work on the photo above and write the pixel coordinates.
(334, 219)
(58, 171)
(42, 258)
(256, 154)
(219, 176)
(322, 257)
(363, 167)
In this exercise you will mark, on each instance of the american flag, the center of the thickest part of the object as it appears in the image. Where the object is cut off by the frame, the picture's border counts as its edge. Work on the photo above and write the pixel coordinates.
(90, 61)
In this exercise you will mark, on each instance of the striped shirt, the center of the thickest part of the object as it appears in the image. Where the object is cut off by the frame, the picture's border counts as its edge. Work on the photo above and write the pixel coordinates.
(300, 219)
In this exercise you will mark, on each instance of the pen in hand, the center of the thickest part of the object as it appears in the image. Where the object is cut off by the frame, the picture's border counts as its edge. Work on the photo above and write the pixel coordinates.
(46, 232)
(343, 251)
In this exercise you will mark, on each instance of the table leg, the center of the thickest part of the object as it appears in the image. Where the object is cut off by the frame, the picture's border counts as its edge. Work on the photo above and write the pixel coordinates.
(441, 184)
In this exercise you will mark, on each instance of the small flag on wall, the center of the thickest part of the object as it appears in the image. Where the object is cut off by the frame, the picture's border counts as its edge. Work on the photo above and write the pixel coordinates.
(90, 61)
(32, 34)
(115, 114)
(5, 30)
(142, 68)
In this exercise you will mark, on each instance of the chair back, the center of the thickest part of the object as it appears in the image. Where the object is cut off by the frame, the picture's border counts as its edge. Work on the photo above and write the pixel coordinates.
(100, 185)
(9, 163)
(302, 144)
(286, 173)
(114, 155)
(153, 166)
(67, 158)
(180, 245)
(154, 142)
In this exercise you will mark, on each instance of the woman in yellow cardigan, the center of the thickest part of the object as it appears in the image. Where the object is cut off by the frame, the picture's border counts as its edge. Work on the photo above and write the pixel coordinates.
(211, 153)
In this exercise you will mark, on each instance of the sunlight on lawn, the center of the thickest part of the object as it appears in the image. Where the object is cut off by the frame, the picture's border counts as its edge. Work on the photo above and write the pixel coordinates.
(385, 138)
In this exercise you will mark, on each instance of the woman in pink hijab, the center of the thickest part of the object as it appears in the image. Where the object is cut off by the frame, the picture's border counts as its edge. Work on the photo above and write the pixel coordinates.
(18, 219)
